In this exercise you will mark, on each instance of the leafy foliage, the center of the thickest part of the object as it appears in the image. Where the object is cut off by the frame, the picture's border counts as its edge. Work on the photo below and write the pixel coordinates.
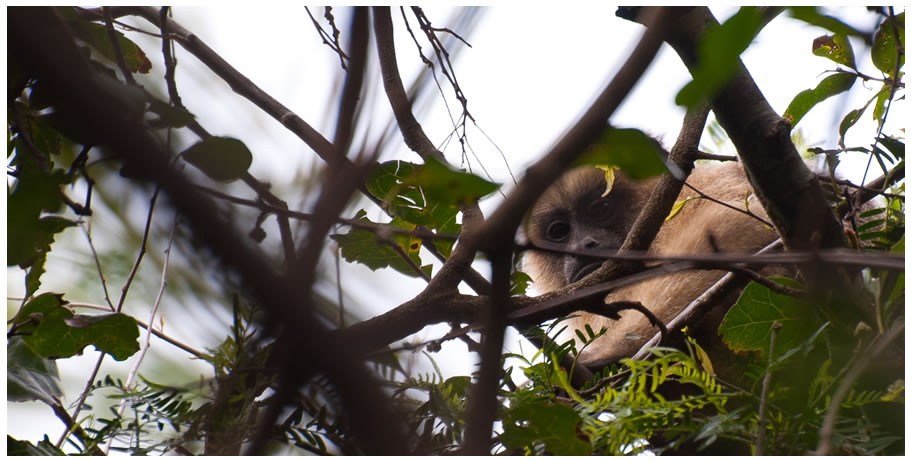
(672, 400)
(627, 149)
(53, 331)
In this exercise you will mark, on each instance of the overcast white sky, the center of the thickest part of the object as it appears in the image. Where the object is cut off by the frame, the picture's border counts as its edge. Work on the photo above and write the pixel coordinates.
(531, 72)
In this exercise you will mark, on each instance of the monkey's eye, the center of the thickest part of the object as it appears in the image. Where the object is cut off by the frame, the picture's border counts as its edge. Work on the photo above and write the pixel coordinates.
(557, 231)
(600, 210)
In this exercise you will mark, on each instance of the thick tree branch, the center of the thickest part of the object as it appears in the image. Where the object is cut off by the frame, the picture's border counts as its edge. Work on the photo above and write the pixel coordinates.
(781, 180)
(501, 226)
(41, 44)
(414, 135)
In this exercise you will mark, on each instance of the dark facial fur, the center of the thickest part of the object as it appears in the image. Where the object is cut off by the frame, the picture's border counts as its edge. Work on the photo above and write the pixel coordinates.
(574, 212)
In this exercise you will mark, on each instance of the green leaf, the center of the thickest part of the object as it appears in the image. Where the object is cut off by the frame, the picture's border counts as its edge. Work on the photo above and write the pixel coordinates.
(442, 185)
(362, 246)
(35, 192)
(554, 425)
(835, 47)
(718, 56)
(29, 376)
(169, 116)
(748, 324)
(628, 149)
(879, 109)
(33, 277)
(96, 35)
(885, 49)
(520, 282)
(847, 122)
(53, 331)
(810, 15)
(805, 100)
(896, 147)
(411, 203)
(221, 158)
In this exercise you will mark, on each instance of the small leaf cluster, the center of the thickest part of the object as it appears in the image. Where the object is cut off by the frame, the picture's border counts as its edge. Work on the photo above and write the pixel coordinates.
(428, 196)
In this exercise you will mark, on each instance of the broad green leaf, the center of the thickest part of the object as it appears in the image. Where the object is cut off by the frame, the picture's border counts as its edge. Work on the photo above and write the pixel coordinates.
(520, 282)
(810, 15)
(442, 185)
(554, 425)
(52, 331)
(885, 49)
(34, 193)
(388, 181)
(805, 100)
(29, 376)
(896, 147)
(748, 324)
(719, 54)
(363, 246)
(835, 47)
(96, 35)
(630, 150)
(220, 158)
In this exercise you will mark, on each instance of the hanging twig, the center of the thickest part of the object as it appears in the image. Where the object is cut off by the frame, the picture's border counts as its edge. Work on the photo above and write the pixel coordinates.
(146, 343)
(764, 396)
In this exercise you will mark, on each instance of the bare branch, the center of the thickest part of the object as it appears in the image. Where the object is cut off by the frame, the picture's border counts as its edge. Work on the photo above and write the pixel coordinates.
(504, 222)
(43, 45)
(115, 45)
(764, 396)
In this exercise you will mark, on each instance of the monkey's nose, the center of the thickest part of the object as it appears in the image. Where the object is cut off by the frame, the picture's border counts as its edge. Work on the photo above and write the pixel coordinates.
(590, 243)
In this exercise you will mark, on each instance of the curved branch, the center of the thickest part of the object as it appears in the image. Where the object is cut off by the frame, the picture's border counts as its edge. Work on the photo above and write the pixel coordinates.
(40, 43)
(505, 220)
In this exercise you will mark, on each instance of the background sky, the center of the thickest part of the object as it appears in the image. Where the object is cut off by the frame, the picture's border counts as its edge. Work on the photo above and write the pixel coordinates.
(530, 73)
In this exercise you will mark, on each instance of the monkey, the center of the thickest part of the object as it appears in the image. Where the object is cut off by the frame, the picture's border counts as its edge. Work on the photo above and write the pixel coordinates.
(575, 212)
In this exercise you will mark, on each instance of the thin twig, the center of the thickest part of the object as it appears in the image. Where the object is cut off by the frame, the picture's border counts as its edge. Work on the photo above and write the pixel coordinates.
(158, 333)
(330, 41)
(697, 306)
(338, 285)
(701, 155)
(764, 396)
(170, 61)
(115, 45)
(845, 257)
(104, 285)
(82, 396)
(722, 203)
(381, 229)
(147, 341)
(142, 251)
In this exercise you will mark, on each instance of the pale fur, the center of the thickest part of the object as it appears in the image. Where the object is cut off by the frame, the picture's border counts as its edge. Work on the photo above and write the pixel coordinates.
(685, 234)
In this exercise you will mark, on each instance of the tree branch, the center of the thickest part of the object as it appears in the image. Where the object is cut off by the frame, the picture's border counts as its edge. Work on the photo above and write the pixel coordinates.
(40, 43)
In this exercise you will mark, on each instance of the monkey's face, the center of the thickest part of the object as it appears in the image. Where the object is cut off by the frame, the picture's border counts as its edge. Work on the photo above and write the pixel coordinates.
(574, 212)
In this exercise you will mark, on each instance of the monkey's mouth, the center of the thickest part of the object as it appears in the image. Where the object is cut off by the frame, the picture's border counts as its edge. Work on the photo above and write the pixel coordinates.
(585, 271)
